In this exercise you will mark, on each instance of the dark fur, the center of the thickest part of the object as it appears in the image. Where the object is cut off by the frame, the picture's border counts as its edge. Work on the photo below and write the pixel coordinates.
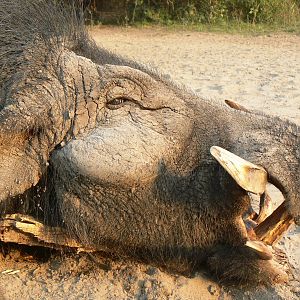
(187, 216)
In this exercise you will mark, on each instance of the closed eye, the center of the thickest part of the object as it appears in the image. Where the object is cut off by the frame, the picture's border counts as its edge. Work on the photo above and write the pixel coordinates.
(117, 103)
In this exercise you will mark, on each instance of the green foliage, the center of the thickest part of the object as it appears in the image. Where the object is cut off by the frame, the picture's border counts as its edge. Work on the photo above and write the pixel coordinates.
(191, 12)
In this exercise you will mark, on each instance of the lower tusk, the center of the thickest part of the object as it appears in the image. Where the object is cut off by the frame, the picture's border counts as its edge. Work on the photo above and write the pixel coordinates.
(265, 208)
(262, 250)
(273, 227)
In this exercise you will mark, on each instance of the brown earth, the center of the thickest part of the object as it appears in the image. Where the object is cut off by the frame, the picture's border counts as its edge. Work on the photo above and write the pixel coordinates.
(259, 72)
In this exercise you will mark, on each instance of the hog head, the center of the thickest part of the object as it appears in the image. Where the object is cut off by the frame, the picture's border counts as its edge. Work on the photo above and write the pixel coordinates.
(127, 157)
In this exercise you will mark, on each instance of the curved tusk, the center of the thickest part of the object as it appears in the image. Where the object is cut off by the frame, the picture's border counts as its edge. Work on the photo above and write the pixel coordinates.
(265, 207)
(261, 249)
(249, 176)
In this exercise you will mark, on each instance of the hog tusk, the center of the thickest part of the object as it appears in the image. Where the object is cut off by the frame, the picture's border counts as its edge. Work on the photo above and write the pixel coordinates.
(265, 207)
(261, 249)
(249, 176)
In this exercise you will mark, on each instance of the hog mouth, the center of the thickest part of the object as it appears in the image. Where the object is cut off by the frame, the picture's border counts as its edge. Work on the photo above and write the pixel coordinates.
(263, 229)
(266, 227)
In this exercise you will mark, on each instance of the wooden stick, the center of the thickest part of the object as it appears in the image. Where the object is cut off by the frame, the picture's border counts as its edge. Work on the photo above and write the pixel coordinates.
(274, 226)
(22, 229)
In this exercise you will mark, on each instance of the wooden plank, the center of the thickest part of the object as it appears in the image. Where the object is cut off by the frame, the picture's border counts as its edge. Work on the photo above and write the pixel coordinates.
(274, 226)
(25, 230)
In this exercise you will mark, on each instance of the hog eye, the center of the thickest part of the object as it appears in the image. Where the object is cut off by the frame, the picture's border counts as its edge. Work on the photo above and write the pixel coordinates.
(116, 103)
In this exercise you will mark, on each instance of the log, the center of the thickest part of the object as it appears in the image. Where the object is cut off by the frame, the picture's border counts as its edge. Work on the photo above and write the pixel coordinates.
(274, 226)
(25, 230)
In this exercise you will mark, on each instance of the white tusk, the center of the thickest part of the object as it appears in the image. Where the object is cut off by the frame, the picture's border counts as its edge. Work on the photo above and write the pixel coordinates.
(261, 249)
(249, 176)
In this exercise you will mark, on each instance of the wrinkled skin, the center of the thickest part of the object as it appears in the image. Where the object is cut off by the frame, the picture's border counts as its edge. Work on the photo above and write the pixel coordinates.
(120, 157)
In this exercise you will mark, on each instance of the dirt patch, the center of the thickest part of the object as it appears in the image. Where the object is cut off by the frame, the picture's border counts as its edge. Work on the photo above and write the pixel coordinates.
(259, 72)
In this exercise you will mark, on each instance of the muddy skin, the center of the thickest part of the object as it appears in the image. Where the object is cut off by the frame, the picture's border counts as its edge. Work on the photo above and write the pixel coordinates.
(126, 152)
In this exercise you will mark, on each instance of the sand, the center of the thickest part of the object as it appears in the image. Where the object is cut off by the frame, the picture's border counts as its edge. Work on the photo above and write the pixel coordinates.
(259, 72)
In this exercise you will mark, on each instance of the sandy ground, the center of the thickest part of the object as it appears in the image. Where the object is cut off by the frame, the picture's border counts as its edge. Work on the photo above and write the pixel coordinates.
(259, 72)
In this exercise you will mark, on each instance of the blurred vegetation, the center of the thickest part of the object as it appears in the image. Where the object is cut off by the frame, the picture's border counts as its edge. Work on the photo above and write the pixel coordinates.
(199, 13)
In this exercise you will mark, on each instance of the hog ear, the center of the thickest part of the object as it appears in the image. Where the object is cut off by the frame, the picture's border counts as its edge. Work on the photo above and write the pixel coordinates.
(236, 105)
(249, 176)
